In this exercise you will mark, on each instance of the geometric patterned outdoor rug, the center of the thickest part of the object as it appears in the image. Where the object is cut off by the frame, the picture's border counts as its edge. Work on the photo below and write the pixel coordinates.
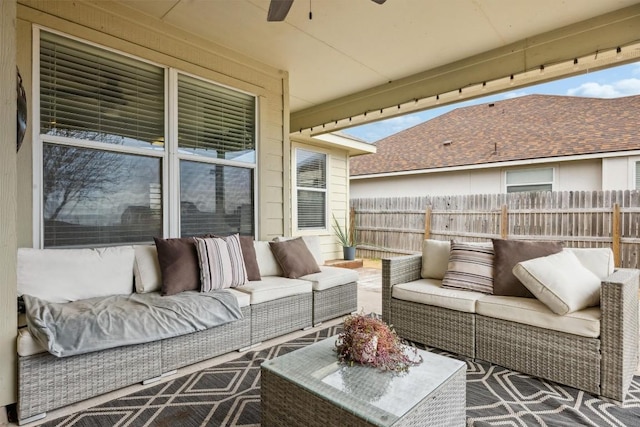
(229, 395)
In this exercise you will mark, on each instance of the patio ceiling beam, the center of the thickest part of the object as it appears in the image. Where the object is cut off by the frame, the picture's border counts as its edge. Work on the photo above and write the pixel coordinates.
(587, 38)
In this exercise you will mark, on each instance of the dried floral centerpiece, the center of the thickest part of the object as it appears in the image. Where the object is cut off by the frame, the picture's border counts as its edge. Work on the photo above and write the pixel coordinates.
(370, 341)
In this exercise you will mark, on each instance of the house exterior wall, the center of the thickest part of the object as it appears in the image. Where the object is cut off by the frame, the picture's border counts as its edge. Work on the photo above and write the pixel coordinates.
(8, 190)
(127, 31)
(337, 196)
(570, 175)
(618, 173)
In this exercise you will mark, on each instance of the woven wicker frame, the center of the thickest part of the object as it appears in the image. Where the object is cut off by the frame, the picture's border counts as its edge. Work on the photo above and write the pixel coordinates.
(192, 348)
(334, 302)
(287, 404)
(47, 382)
(278, 317)
(560, 357)
(603, 366)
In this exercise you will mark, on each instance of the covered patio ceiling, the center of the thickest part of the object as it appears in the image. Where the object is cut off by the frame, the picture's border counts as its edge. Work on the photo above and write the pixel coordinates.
(357, 61)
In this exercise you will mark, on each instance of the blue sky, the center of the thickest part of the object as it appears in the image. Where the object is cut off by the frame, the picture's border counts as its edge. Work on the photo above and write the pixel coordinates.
(610, 83)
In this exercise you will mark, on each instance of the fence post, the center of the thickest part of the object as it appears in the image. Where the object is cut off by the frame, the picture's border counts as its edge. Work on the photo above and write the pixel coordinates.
(615, 234)
(504, 222)
(352, 224)
(427, 222)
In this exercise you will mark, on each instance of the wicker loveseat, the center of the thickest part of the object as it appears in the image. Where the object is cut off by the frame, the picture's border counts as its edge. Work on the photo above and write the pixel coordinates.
(594, 349)
(271, 307)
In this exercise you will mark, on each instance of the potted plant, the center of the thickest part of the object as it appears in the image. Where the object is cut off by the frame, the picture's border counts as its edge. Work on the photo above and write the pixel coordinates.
(346, 237)
(370, 341)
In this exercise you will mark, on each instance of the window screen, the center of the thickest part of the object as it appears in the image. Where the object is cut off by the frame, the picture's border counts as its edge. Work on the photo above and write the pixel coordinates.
(524, 180)
(311, 183)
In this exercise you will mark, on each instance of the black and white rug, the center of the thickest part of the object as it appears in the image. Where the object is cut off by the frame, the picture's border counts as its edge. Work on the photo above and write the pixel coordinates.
(229, 395)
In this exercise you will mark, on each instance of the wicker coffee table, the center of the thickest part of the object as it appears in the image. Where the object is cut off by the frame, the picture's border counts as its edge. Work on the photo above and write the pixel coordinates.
(308, 387)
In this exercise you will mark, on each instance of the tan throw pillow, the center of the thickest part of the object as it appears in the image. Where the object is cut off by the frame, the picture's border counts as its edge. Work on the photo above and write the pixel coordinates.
(146, 269)
(510, 252)
(560, 281)
(470, 267)
(294, 257)
(435, 256)
(178, 259)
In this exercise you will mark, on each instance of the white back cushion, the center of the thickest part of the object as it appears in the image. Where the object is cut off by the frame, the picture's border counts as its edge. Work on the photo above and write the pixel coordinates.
(435, 258)
(266, 261)
(597, 260)
(146, 269)
(64, 275)
(560, 281)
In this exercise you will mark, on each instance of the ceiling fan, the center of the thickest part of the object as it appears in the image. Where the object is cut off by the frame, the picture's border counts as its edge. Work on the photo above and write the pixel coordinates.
(278, 9)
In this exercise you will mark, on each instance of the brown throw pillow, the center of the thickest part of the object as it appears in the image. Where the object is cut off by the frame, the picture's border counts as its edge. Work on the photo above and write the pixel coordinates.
(294, 257)
(250, 258)
(178, 259)
(510, 252)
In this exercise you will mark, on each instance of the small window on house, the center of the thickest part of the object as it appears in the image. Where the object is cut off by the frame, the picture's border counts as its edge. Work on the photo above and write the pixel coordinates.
(637, 176)
(311, 189)
(523, 180)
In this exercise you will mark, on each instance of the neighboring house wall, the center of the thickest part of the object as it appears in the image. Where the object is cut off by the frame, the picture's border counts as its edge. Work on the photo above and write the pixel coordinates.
(136, 34)
(337, 196)
(570, 175)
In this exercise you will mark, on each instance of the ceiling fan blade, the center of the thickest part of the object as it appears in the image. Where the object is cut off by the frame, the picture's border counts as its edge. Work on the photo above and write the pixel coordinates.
(379, 1)
(278, 10)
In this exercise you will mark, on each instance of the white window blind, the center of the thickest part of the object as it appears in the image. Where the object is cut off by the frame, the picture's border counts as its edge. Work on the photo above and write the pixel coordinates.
(523, 180)
(311, 183)
(637, 175)
(93, 94)
(215, 121)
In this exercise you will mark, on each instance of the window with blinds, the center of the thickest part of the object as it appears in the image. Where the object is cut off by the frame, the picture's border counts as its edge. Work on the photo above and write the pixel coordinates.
(637, 175)
(524, 180)
(103, 180)
(311, 189)
(92, 94)
(215, 121)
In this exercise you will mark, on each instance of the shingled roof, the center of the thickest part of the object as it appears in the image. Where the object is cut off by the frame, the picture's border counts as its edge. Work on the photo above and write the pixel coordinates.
(528, 127)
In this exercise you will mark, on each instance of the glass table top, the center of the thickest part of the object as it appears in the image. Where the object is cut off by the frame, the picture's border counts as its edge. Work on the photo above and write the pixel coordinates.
(380, 397)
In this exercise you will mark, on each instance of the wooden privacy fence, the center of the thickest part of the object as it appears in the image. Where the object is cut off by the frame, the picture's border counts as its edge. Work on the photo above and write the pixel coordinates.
(395, 226)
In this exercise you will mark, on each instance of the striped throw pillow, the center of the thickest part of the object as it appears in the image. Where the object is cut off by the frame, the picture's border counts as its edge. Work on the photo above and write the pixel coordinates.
(221, 263)
(470, 267)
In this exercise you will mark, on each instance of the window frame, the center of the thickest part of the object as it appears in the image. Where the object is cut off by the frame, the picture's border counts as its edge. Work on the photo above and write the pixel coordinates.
(506, 172)
(169, 155)
(294, 206)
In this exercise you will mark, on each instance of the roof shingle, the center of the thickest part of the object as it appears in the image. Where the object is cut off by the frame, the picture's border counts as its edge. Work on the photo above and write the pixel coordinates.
(528, 127)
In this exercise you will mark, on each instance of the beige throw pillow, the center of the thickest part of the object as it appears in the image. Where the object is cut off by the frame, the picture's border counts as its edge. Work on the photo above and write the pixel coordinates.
(560, 281)
(470, 267)
(435, 257)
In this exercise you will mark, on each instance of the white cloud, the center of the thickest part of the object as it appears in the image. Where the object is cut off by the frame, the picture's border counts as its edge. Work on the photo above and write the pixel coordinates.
(624, 87)
(511, 95)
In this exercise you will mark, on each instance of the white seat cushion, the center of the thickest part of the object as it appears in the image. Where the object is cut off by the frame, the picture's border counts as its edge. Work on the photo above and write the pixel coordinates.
(27, 345)
(532, 312)
(64, 275)
(330, 277)
(244, 299)
(430, 291)
(273, 287)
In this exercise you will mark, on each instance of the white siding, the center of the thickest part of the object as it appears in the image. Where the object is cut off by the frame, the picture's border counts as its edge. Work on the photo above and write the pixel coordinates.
(120, 28)
(572, 175)
(338, 195)
(617, 175)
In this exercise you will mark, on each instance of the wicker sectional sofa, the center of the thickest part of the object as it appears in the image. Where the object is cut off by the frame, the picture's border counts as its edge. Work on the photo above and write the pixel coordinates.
(595, 349)
(271, 307)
